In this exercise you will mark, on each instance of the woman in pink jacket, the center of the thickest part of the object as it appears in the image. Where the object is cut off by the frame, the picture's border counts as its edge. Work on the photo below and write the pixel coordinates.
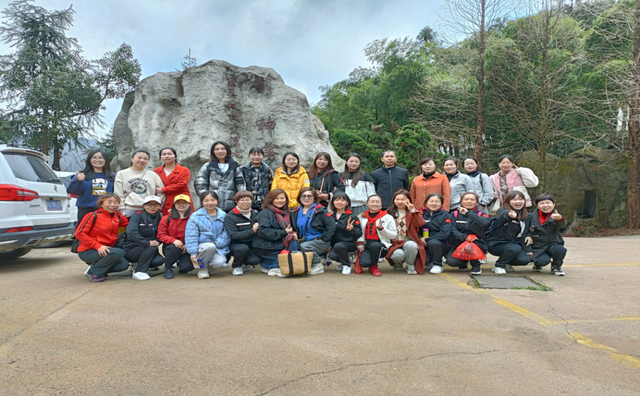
(512, 178)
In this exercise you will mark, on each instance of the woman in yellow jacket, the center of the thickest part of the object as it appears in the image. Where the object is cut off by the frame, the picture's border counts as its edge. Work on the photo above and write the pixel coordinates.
(290, 177)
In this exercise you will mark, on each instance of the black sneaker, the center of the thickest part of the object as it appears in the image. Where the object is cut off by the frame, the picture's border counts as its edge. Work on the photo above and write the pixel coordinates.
(168, 273)
(93, 278)
(557, 271)
(476, 270)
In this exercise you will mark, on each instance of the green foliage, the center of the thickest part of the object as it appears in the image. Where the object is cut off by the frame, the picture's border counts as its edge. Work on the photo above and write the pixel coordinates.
(52, 94)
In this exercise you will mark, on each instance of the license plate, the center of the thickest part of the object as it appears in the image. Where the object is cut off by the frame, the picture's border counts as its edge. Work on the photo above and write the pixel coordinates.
(54, 204)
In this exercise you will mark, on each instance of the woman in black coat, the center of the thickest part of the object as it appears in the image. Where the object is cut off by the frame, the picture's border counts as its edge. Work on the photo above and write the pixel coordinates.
(468, 219)
(436, 231)
(324, 179)
(141, 245)
(506, 236)
(348, 230)
(275, 232)
(240, 224)
(543, 234)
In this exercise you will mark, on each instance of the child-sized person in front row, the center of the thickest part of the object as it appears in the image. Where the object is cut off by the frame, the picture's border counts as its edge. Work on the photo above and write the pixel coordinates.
(378, 229)
(543, 235)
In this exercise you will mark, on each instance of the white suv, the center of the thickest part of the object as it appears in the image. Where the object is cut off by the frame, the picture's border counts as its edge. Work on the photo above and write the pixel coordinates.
(34, 204)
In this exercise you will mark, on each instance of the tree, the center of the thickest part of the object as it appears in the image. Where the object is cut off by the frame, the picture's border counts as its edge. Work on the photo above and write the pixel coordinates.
(190, 62)
(53, 95)
(473, 19)
(614, 49)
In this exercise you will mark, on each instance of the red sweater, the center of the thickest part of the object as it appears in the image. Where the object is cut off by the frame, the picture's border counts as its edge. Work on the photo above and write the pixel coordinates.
(175, 184)
(175, 230)
(103, 233)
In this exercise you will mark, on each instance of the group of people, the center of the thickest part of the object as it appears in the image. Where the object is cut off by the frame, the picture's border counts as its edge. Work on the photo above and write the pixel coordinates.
(251, 214)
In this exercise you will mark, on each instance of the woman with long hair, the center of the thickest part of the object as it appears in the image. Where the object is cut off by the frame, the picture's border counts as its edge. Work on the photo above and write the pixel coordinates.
(91, 182)
(174, 177)
(290, 177)
(323, 178)
(275, 232)
(359, 185)
(221, 175)
(347, 232)
(511, 177)
(135, 183)
(506, 236)
(407, 247)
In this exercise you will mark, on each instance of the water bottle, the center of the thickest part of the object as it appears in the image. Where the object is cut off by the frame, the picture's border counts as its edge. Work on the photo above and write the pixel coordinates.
(425, 232)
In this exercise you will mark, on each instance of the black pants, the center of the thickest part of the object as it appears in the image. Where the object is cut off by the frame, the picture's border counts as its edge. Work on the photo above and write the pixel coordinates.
(83, 211)
(373, 249)
(173, 254)
(340, 251)
(555, 252)
(145, 256)
(455, 262)
(243, 254)
(436, 250)
(509, 253)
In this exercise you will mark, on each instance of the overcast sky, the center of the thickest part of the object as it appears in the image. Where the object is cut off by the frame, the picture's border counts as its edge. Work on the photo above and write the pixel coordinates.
(308, 42)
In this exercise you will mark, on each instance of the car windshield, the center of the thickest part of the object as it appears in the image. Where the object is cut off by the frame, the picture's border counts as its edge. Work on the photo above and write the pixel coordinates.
(30, 168)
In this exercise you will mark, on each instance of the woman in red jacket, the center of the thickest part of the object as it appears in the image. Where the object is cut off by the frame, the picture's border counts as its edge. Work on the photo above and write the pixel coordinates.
(98, 234)
(171, 234)
(174, 177)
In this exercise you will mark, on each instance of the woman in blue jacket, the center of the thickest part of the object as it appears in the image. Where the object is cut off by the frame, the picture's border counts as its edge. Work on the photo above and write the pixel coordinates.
(94, 180)
(205, 236)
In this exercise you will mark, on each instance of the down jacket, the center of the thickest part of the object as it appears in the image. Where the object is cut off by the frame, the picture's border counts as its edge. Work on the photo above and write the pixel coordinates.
(202, 228)
(225, 184)
(291, 184)
(173, 227)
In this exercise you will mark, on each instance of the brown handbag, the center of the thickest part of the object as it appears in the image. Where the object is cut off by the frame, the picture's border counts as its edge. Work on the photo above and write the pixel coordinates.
(298, 263)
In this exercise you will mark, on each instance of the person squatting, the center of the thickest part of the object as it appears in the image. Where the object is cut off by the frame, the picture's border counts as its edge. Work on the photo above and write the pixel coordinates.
(145, 219)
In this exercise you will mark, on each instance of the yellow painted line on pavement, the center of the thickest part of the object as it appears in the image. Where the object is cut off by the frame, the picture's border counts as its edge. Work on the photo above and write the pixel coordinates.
(631, 318)
(579, 338)
(600, 265)
(621, 357)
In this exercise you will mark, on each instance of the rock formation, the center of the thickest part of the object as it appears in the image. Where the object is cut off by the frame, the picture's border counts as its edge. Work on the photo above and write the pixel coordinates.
(244, 106)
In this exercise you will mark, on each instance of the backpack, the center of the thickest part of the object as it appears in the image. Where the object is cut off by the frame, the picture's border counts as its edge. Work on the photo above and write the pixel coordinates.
(76, 242)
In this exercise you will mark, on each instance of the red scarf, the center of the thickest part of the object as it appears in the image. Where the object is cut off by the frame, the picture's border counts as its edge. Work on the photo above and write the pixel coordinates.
(284, 220)
(543, 218)
(371, 230)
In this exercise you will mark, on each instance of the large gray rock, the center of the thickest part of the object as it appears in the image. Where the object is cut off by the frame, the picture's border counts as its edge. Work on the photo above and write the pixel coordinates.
(189, 110)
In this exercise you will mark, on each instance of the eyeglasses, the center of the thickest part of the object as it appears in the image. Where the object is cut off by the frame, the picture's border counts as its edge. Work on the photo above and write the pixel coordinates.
(306, 196)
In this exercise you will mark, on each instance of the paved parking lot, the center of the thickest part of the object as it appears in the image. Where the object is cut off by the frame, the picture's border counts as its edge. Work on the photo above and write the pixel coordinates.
(328, 334)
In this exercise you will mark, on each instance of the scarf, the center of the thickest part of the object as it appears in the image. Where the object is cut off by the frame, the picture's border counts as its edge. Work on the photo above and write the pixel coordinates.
(370, 230)
(543, 217)
(473, 174)
(451, 176)
(245, 213)
(284, 220)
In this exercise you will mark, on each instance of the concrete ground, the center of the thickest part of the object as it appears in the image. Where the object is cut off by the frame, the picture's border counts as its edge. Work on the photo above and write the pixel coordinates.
(328, 334)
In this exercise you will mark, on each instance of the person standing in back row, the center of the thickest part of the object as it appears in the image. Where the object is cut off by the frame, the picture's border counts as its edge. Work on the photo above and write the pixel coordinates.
(389, 178)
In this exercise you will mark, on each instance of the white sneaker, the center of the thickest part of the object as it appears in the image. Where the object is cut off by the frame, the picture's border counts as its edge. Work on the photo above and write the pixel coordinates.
(436, 269)
(339, 267)
(203, 273)
(346, 270)
(140, 276)
(557, 271)
(246, 267)
(411, 270)
(275, 272)
(175, 265)
(237, 271)
(265, 270)
(483, 261)
(317, 269)
(499, 271)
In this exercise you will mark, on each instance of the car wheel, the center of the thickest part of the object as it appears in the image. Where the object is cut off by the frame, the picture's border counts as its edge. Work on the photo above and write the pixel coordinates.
(14, 254)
